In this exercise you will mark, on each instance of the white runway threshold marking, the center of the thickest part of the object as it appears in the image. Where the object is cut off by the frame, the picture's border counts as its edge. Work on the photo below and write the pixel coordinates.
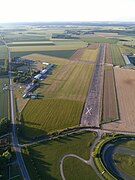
(88, 111)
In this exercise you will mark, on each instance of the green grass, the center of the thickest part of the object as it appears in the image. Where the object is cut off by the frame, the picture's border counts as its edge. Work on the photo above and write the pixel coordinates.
(75, 169)
(3, 52)
(54, 53)
(32, 44)
(60, 53)
(127, 50)
(128, 144)
(50, 115)
(126, 163)
(3, 97)
(15, 171)
(64, 96)
(46, 156)
(116, 56)
(100, 40)
(110, 105)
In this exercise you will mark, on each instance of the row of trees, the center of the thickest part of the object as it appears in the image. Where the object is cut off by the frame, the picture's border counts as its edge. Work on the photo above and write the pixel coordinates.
(22, 77)
(4, 126)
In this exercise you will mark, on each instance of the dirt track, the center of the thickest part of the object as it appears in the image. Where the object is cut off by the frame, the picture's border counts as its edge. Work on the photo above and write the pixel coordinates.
(125, 84)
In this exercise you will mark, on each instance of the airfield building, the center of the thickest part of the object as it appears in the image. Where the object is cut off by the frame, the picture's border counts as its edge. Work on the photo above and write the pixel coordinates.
(43, 72)
(32, 86)
(126, 59)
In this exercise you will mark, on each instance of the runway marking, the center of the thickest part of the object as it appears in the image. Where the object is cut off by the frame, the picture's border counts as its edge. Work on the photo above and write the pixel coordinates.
(89, 111)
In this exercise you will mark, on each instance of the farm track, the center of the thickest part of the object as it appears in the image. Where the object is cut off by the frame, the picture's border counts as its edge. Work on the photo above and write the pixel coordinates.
(91, 113)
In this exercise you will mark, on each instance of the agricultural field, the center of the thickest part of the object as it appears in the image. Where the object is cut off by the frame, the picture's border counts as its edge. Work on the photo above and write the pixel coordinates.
(100, 39)
(127, 50)
(55, 53)
(3, 52)
(126, 163)
(108, 56)
(78, 54)
(125, 84)
(37, 43)
(89, 55)
(3, 97)
(44, 58)
(110, 104)
(46, 156)
(43, 116)
(64, 95)
(46, 48)
(116, 56)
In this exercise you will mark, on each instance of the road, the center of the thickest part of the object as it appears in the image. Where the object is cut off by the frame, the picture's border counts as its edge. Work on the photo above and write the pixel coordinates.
(15, 143)
(91, 113)
(107, 159)
(70, 155)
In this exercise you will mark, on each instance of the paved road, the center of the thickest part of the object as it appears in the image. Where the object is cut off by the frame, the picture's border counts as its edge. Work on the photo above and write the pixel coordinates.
(69, 155)
(15, 143)
(91, 113)
(107, 158)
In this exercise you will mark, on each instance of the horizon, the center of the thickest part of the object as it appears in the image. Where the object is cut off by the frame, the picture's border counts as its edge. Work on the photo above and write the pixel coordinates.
(67, 11)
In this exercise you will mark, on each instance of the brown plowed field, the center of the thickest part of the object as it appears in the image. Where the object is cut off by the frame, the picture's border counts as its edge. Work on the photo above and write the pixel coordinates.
(77, 54)
(108, 56)
(125, 83)
(110, 107)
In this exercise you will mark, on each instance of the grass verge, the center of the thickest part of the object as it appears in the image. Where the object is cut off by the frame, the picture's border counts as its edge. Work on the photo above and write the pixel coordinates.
(42, 160)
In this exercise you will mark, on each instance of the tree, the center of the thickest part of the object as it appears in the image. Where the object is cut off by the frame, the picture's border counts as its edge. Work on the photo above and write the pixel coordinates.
(4, 126)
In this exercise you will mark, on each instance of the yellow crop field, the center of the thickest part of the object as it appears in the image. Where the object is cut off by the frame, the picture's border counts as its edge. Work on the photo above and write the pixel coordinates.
(89, 54)
(43, 48)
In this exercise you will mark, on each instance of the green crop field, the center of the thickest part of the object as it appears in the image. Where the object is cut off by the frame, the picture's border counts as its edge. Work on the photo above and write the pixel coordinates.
(75, 169)
(45, 158)
(55, 53)
(49, 115)
(125, 49)
(126, 163)
(116, 55)
(3, 97)
(3, 52)
(100, 40)
(64, 93)
(49, 59)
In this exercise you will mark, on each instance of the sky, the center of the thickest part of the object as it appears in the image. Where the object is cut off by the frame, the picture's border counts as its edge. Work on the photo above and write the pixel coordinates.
(66, 10)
